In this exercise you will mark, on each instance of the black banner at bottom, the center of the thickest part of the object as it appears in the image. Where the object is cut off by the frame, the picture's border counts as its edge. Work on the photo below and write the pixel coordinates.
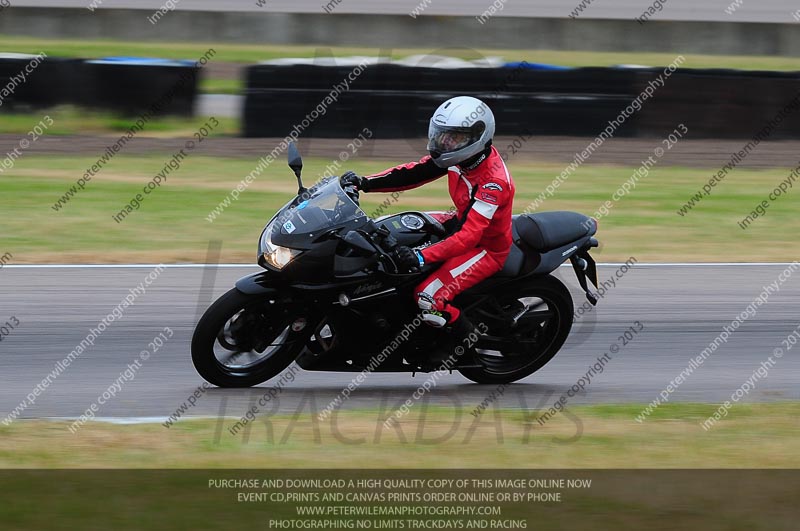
(400, 499)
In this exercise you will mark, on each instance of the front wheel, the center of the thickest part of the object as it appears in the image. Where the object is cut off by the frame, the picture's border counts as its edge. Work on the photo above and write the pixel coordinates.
(530, 322)
(243, 340)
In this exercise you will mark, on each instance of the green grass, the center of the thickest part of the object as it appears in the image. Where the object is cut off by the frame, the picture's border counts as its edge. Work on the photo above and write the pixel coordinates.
(69, 120)
(761, 435)
(753, 436)
(171, 224)
(221, 86)
(252, 53)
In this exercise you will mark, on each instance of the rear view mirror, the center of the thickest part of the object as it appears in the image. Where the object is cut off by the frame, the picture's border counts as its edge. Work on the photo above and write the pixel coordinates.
(296, 164)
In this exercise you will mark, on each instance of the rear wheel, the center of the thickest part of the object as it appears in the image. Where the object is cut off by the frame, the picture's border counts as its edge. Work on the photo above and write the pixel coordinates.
(244, 340)
(530, 323)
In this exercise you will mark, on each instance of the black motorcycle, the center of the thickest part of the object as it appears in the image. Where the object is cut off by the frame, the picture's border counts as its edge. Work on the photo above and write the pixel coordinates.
(331, 297)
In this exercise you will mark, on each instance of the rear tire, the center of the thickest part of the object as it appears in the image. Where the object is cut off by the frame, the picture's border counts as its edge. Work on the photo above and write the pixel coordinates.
(544, 339)
(241, 325)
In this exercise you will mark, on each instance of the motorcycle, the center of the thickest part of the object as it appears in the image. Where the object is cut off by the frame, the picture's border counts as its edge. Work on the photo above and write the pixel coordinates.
(331, 298)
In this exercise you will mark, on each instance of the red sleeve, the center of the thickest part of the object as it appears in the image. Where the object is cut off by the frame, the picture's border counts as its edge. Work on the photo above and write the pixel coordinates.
(489, 197)
(405, 176)
(460, 242)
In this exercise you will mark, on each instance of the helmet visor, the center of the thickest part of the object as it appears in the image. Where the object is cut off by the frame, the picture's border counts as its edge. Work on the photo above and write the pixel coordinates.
(449, 139)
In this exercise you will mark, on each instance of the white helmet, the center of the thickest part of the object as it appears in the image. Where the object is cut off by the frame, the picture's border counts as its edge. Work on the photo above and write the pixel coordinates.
(459, 129)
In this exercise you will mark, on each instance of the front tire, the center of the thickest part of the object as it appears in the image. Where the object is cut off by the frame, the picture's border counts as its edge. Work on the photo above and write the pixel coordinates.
(243, 340)
(540, 331)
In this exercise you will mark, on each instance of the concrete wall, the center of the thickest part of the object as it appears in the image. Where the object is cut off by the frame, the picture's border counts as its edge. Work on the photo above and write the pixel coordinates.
(394, 31)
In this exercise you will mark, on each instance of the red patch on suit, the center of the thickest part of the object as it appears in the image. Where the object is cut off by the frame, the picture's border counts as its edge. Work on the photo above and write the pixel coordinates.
(488, 197)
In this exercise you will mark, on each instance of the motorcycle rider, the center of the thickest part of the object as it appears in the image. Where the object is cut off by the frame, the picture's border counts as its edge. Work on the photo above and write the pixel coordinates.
(460, 146)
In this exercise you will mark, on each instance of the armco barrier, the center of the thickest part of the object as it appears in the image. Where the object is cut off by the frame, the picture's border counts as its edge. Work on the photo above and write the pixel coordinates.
(128, 86)
(396, 101)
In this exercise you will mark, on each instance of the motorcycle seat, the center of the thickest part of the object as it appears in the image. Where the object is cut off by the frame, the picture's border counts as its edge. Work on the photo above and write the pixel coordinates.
(546, 231)
(513, 264)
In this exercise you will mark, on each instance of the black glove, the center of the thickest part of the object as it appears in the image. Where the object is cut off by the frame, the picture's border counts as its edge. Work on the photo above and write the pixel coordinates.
(406, 258)
(349, 178)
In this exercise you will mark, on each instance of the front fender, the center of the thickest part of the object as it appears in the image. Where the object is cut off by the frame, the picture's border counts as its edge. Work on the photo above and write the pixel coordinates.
(257, 283)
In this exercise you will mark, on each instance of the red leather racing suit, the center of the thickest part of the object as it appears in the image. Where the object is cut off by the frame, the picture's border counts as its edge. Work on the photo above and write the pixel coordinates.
(483, 197)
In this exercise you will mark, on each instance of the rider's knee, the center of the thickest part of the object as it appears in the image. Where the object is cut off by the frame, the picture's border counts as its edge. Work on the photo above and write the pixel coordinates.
(431, 314)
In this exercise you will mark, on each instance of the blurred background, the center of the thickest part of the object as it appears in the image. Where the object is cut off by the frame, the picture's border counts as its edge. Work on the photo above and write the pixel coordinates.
(136, 79)
(141, 131)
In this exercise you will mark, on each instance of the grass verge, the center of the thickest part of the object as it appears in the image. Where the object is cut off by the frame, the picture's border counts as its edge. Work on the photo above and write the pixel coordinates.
(70, 120)
(171, 224)
(762, 435)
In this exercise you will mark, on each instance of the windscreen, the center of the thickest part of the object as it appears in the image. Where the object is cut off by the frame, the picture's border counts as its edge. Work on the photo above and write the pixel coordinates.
(327, 206)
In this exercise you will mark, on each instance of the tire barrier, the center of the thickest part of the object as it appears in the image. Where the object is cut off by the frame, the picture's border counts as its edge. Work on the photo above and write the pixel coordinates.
(721, 103)
(396, 101)
(128, 86)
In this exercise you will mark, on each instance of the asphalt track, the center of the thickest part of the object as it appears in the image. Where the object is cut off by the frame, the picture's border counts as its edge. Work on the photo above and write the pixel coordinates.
(681, 307)
(779, 11)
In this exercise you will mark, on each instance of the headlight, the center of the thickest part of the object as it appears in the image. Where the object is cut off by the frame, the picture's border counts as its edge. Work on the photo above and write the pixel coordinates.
(278, 256)
(275, 255)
